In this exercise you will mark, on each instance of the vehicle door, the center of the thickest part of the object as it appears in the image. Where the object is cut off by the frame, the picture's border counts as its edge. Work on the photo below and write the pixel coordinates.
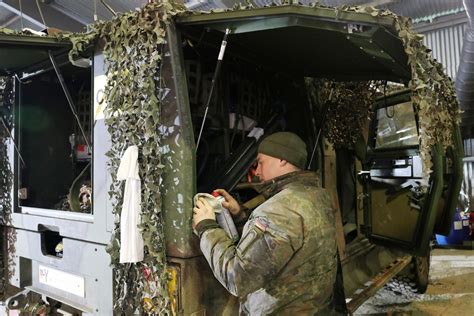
(403, 203)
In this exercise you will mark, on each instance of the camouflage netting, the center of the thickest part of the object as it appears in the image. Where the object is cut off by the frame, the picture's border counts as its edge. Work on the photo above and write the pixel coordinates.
(337, 100)
(6, 177)
(133, 53)
(433, 93)
(6, 122)
(133, 50)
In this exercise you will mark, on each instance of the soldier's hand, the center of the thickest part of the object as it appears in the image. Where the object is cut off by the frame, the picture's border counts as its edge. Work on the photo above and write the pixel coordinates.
(230, 203)
(201, 211)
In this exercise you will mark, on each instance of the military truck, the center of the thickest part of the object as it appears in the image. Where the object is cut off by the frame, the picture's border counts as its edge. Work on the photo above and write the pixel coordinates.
(282, 68)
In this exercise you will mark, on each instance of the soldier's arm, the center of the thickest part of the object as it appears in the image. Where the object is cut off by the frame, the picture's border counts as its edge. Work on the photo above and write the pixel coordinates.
(265, 248)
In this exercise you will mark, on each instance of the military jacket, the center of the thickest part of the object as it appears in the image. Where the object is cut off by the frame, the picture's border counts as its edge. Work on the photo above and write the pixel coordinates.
(285, 261)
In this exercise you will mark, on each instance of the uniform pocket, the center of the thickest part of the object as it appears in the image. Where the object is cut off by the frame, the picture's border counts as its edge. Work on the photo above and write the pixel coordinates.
(248, 240)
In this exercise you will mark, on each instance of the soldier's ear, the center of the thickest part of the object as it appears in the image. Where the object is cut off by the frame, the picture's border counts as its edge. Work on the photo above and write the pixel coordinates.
(283, 162)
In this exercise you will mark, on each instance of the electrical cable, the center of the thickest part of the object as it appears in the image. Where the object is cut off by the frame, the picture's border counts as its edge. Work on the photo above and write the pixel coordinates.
(109, 7)
(41, 14)
(68, 97)
(323, 121)
(21, 15)
(13, 141)
(95, 11)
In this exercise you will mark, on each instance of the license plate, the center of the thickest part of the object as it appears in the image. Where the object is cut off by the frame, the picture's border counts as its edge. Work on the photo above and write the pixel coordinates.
(62, 280)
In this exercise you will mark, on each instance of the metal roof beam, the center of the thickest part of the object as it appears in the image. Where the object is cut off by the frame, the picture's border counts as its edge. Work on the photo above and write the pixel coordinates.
(192, 4)
(442, 22)
(20, 15)
(378, 3)
(70, 14)
(53, 18)
(11, 19)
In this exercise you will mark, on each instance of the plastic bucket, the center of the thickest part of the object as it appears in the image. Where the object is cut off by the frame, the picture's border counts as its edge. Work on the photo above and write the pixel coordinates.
(459, 230)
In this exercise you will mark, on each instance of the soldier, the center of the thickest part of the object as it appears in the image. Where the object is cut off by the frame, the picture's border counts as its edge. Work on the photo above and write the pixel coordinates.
(285, 261)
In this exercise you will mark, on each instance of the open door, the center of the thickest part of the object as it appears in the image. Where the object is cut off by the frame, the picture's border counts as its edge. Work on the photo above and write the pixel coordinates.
(61, 213)
(401, 203)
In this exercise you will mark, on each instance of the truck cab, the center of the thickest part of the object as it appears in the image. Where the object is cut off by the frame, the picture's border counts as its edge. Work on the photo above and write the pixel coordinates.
(284, 69)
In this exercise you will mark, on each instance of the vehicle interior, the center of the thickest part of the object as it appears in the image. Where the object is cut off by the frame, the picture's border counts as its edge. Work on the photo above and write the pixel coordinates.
(263, 85)
(53, 125)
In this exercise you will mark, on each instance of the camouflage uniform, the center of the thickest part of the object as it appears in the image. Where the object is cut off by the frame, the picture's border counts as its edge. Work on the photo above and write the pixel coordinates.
(285, 261)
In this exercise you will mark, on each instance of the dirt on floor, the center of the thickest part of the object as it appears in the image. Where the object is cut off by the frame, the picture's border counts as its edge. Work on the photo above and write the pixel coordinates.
(450, 290)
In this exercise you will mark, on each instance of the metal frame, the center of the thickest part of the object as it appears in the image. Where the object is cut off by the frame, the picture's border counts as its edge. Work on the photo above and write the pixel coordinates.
(261, 13)
(85, 236)
(371, 41)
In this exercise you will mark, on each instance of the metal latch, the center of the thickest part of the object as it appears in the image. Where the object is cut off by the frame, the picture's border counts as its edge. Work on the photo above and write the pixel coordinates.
(363, 174)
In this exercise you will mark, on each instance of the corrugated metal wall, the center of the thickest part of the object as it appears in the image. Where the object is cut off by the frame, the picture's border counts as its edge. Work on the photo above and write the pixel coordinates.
(467, 192)
(468, 147)
(446, 45)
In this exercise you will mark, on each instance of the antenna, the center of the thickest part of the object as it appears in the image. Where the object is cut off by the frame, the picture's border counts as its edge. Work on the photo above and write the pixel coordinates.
(220, 57)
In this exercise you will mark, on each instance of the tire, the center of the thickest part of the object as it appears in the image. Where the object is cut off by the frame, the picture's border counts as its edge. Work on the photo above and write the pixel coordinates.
(421, 271)
(413, 280)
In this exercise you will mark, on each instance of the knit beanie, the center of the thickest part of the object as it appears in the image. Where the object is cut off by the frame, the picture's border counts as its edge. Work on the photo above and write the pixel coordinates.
(285, 145)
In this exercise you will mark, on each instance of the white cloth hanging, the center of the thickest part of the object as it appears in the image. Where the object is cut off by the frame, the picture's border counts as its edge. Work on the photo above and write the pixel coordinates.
(131, 240)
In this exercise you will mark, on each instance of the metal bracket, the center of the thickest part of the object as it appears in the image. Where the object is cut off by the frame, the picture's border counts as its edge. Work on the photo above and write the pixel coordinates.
(17, 301)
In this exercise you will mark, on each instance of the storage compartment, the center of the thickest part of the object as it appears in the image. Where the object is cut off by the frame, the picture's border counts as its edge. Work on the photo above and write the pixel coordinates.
(51, 241)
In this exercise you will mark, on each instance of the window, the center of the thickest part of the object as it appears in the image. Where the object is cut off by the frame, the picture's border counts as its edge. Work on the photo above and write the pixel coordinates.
(396, 127)
(56, 174)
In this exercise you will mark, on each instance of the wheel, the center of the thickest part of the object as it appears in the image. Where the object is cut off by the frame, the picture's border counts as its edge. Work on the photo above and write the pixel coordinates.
(421, 271)
(413, 279)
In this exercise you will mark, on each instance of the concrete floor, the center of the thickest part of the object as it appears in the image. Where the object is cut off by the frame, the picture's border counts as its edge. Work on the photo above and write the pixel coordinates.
(450, 290)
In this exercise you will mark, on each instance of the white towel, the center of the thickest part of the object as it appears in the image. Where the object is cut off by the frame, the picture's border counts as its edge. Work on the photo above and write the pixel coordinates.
(131, 240)
(213, 202)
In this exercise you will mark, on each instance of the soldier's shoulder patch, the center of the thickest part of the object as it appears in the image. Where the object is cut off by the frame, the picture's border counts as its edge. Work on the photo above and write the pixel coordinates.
(261, 224)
